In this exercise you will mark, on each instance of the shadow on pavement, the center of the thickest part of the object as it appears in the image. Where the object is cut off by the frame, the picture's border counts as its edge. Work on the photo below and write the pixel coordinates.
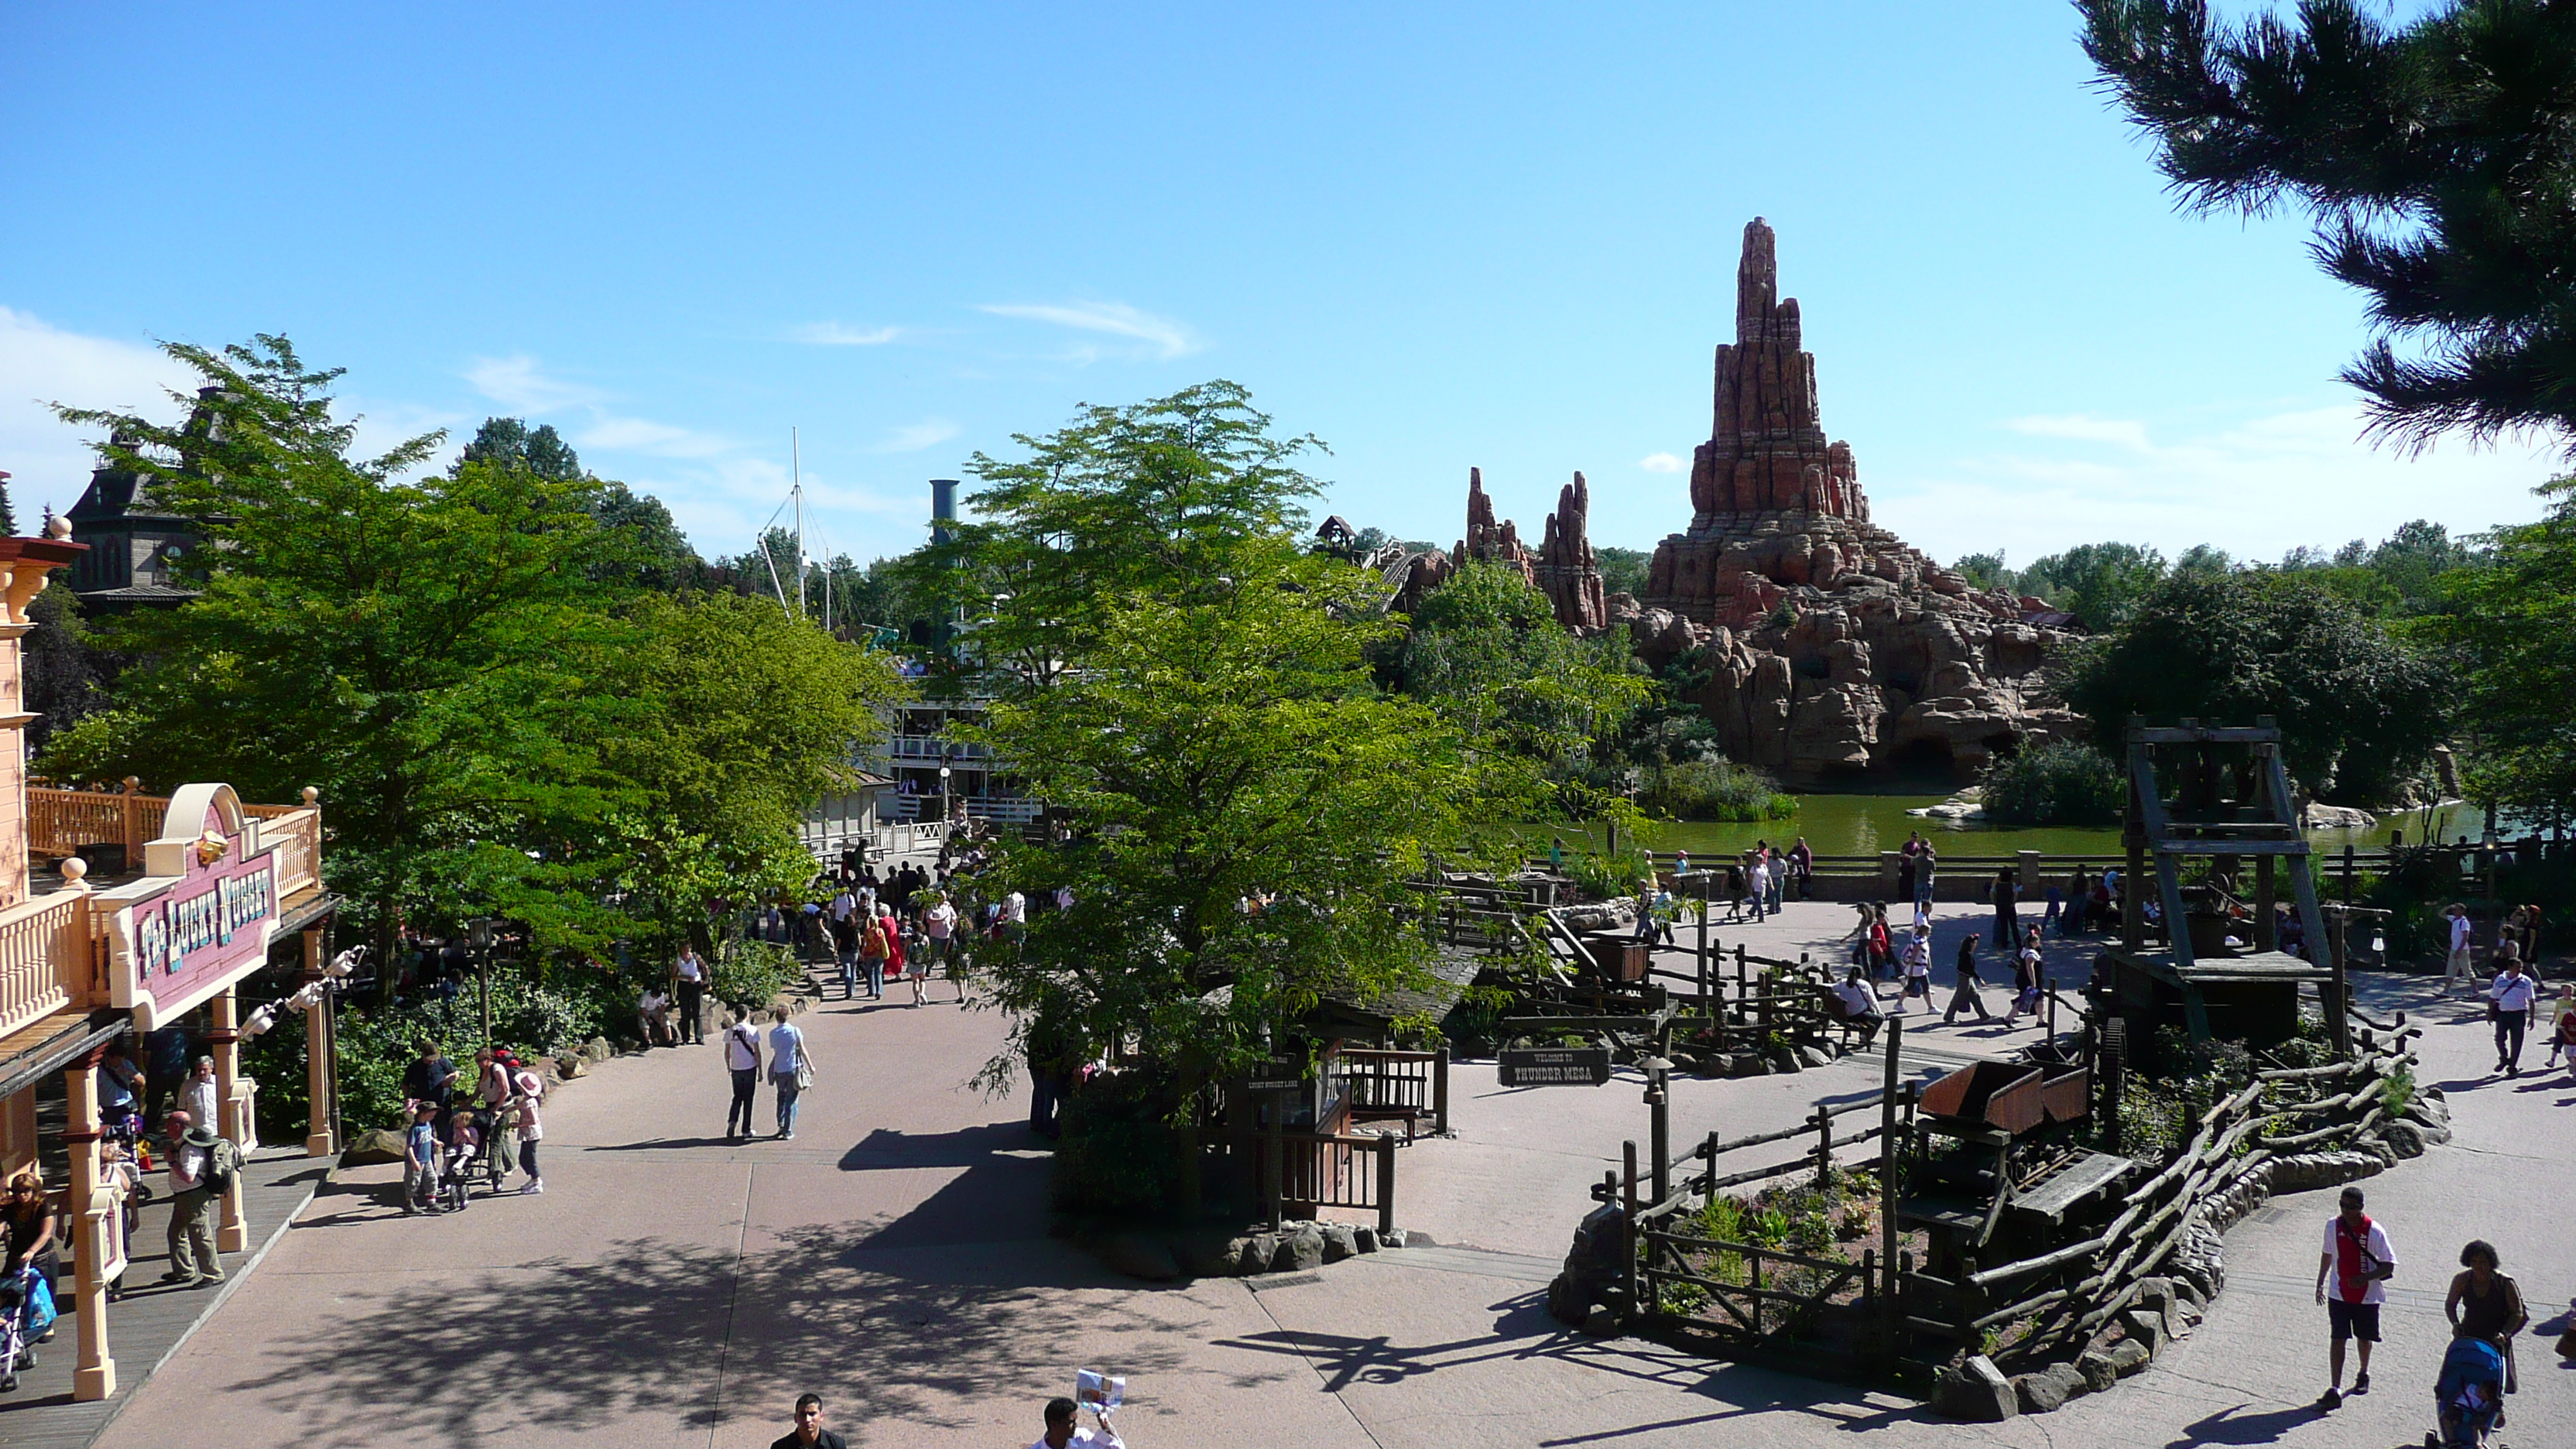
(2224, 1427)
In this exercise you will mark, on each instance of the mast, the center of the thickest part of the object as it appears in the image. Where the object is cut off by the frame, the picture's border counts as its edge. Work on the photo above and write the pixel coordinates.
(796, 491)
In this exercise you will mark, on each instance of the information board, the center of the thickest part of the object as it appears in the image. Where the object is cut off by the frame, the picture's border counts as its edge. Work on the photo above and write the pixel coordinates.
(1556, 1067)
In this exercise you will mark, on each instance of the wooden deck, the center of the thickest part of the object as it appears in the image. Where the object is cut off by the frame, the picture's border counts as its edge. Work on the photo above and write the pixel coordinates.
(147, 1325)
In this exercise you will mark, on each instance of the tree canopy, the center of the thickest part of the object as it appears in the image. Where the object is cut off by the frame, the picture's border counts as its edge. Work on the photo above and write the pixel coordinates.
(2359, 710)
(2507, 624)
(2433, 154)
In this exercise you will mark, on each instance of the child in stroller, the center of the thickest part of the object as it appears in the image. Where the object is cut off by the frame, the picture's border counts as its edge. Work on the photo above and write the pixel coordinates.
(2468, 1396)
(13, 1313)
(464, 1150)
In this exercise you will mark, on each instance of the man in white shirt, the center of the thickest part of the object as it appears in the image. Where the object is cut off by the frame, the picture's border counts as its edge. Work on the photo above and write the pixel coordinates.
(2456, 972)
(2359, 1261)
(2512, 994)
(691, 969)
(1062, 1433)
(1757, 885)
(788, 1068)
(1860, 1006)
(1015, 915)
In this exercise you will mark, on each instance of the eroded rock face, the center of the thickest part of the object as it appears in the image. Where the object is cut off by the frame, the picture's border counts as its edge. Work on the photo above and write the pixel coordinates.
(1831, 644)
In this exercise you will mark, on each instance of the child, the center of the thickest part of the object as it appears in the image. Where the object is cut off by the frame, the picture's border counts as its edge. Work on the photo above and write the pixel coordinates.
(531, 1088)
(2564, 1038)
(1918, 969)
(126, 1181)
(420, 1161)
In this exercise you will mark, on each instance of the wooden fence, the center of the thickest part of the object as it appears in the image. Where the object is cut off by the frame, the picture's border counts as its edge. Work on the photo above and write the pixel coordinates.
(1391, 1085)
(1302, 1172)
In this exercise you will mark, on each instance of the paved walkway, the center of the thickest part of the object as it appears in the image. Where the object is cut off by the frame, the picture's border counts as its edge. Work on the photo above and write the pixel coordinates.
(670, 1289)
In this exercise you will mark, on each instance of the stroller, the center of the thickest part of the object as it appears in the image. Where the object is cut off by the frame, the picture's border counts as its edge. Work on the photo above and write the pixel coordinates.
(2469, 1396)
(26, 1311)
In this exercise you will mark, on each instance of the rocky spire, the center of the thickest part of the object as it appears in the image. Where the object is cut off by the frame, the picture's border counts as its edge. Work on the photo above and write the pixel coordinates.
(1567, 571)
(1767, 450)
(1487, 539)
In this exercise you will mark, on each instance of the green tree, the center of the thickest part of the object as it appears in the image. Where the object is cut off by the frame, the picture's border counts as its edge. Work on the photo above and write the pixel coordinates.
(2099, 583)
(1987, 571)
(1223, 744)
(2431, 152)
(510, 443)
(2507, 626)
(2359, 711)
(1122, 501)
(1623, 570)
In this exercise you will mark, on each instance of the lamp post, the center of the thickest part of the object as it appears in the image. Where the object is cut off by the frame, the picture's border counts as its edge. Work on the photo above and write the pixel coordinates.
(1660, 1124)
(479, 931)
(944, 808)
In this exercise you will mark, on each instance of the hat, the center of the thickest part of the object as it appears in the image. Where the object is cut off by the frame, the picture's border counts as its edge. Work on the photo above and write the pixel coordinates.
(200, 1137)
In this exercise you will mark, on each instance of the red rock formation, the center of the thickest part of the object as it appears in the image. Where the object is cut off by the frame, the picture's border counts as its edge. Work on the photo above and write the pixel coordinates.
(1488, 540)
(1567, 571)
(1831, 644)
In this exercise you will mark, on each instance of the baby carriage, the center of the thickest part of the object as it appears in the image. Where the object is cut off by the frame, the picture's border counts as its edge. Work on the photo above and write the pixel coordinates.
(26, 1311)
(2469, 1396)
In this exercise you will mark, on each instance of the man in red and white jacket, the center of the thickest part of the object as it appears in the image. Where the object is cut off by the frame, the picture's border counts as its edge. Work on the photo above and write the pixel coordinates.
(2358, 1261)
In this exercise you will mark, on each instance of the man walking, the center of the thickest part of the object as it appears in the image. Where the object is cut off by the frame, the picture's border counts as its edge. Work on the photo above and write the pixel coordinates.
(194, 1262)
(2512, 994)
(789, 1070)
(2359, 1261)
(1924, 862)
(2456, 970)
(809, 1432)
(1062, 1434)
(742, 1058)
(691, 969)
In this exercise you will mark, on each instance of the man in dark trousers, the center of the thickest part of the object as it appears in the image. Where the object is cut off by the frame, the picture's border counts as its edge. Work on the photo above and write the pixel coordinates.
(2358, 1263)
(809, 1432)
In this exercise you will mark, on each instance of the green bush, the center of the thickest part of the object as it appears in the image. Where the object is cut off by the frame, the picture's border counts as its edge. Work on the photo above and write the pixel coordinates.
(757, 972)
(1715, 790)
(1118, 1154)
(2060, 783)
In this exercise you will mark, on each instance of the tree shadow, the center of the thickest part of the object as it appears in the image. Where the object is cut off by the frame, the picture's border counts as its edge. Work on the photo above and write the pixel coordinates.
(688, 1334)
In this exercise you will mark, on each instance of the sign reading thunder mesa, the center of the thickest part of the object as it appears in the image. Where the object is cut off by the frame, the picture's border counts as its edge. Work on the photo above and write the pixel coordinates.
(1554, 1067)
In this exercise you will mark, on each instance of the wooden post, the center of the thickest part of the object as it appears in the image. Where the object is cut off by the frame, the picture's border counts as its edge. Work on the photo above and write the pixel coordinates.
(232, 1235)
(1889, 1160)
(133, 831)
(1628, 1222)
(1739, 973)
(2338, 1001)
(2133, 840)
(2267, 936)
(87, 1207)
(1659, 1129)
(1824, 1146)
(319, 1140)
(1275, 1155)
(1704, 877)
(1386, 1184)
(1440, 1091)
(2347, 875)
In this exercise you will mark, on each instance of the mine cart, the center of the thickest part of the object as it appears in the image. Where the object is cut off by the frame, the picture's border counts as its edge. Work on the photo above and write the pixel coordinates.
(1995, 1169)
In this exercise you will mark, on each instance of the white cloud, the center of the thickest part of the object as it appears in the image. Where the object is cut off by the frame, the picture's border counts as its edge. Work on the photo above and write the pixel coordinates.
(40, 364)
(2084, 428)
(642, 435)
(914, 437)
(833, 334)
(1662, 463)
(2256, 486)
(1164, 337)
(518, 382)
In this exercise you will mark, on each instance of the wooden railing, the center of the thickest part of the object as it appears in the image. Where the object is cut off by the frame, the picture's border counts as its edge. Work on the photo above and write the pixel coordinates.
(1413, 1086)
(45, 958)
(295, 841)
(60, 822)
(1318, 1170)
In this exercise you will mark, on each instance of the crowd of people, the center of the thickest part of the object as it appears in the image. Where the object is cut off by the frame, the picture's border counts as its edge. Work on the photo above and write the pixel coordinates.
(456, 1132)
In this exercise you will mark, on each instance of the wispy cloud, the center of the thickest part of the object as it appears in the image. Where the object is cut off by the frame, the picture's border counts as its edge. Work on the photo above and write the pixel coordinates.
(39, 364)
(913, 437)
(1162, 336)
(643, 435)
(518, 382)
(833, 334)
(1662, 463)
(2085, 428)
(2258, 485)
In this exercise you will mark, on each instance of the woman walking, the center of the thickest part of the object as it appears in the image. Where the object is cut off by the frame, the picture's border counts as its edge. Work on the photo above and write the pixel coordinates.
(742, 1059)
(2026, 967)
(34, 1258)
(1966, 995)
(791, 1071)
(2485, 1304)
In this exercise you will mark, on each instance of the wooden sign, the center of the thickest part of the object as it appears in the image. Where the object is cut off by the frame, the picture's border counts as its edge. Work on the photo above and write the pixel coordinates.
(1279, 1074)
(1556, 1067)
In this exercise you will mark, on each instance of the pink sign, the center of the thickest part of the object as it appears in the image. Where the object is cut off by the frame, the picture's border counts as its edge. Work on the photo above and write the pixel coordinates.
(214, 919)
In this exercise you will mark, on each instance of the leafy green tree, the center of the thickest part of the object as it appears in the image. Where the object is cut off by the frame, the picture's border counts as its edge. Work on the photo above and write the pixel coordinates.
(2062, 782)
(1222, 744)
(650, 551)
(2432, 153)
(1485, 651)
(65, 670)
(1987, 571)
(1150, 498)
(1623, 570)
(510, 443)
(2359, 711)
(2099, 583)
(2507, 626)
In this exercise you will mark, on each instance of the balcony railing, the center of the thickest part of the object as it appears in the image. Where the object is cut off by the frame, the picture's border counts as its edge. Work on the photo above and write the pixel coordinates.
(60, 822)
(46, 959)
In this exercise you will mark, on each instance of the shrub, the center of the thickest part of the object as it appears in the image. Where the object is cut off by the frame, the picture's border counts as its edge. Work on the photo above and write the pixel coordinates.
(757, 972)
(1715, 790)
(2060, 783)
(1118, 1154)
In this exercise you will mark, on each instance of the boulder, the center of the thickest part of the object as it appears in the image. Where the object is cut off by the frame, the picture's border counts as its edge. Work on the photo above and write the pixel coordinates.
(2040, 1393)
(1364, 1239)
(1138, 1256)
(2128, 1356)
(2069, 1379)
(2146, 1328)
(1976, 1392)
(2189, 1296)
(2403, 1138)
(1254, 1252)
(2096, 1369)
(569, 1066)
(1298, 1252)
(1339, 1242)
(1600, 1322)
(372, 1148)
(1815, 1056)
(1208, 1255)
(1566, 1300)
(597, 1049)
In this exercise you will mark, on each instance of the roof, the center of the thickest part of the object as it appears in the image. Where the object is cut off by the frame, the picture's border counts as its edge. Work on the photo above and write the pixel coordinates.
(150, 593)
(1453, 969)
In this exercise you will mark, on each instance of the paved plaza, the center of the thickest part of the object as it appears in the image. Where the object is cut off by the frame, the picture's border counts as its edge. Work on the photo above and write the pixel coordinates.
(671, 1289)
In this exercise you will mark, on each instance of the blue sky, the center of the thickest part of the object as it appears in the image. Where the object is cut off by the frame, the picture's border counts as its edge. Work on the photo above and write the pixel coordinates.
(1436, 236)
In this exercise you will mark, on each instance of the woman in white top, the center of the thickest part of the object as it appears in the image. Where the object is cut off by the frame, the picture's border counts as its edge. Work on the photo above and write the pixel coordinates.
(742, 1059)
(531, 1090)
(790, 1070)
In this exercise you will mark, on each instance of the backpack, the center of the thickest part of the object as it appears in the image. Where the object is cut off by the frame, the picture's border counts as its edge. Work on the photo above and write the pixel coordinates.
(223, 1161)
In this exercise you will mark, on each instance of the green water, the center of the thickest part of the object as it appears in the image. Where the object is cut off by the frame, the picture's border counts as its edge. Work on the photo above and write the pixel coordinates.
(1867, 824)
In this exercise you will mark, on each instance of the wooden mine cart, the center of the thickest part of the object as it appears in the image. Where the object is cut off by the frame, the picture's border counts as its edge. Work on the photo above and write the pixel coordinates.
(1995, 1170)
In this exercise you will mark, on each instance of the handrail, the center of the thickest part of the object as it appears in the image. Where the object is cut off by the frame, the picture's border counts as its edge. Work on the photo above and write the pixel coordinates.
(44, 958)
